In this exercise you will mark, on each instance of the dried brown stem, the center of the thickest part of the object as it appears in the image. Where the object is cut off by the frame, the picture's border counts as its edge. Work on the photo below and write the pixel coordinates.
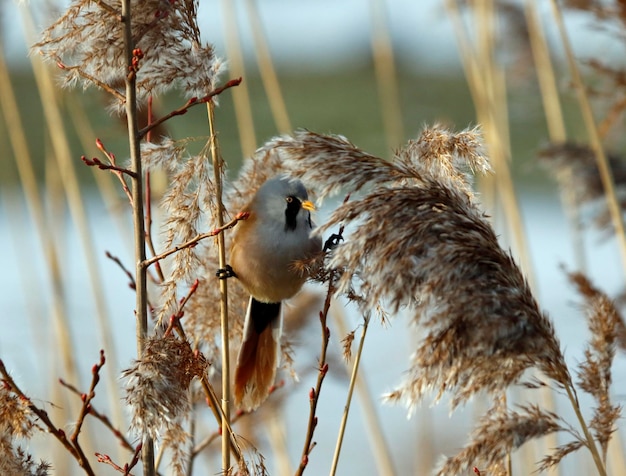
(323, 370)
(117, 433)
(238, 415)
(141, 309)
(102, 458)
(86, 398)
(58, 433)
(175, 319)
(218, 167)
(95, 162)
(611, 117)
(589, 441)
(197, 238)
(119, 172)
(149, 240)
(192, 102)
(100, 416)
(216, 408)
(353, 379)
(130, 276)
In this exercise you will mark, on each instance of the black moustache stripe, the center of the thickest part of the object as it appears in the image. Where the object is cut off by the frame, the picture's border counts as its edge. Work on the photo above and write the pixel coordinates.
(291, 214)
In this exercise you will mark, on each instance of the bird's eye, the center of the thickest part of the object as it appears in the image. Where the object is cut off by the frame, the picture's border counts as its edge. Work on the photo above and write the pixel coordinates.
(289, 199)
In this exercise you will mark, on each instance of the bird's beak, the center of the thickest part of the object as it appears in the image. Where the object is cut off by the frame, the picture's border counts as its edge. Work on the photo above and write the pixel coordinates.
(308, 205)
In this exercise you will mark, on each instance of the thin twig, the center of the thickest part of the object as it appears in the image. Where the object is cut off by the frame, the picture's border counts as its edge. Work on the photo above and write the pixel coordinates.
(346, 410)
(217, 231)
(119, 172)
(184, 108)
(238, 415)
(589, 441)
(86, 399)
(611, 117)
(95, 162)
(177, 316)
(130, 275)
(214, 404)
(100, 416)
(378, 444)
(58, 433)
(102, 458)
(323, 370)
(105, 6)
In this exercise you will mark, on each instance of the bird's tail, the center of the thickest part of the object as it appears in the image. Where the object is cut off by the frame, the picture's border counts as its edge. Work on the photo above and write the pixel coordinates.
(259, 354)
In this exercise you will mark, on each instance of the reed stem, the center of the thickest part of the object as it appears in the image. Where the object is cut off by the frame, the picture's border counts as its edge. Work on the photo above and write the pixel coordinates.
(241, 101)
(590, 442)
(606, 175)
(346, 410)
(267, 70)
(217, 169)
(147, 452)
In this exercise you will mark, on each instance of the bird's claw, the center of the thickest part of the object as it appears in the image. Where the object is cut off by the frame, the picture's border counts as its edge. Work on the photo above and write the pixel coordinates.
(225, 273)
(332, 241)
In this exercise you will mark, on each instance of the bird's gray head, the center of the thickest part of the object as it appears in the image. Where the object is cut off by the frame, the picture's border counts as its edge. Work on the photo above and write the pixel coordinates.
(284, 199)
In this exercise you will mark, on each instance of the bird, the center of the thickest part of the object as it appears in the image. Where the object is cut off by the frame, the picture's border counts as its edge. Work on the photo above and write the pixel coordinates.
(263, 256)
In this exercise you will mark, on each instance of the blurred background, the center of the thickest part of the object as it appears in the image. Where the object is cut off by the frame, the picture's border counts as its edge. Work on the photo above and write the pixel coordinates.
(374, 71)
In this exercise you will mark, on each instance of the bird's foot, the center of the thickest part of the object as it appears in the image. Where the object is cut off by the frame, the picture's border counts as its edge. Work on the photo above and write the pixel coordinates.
(225, 273)
(332, 241)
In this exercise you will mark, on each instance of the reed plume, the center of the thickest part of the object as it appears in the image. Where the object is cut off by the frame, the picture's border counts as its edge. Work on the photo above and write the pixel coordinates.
(87, 42)
(419, 241)
(157, 392)
(17, 423)
(577, 161)
(608, 333)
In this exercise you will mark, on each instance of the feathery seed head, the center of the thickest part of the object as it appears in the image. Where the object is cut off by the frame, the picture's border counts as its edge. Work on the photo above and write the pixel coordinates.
(577, 166)
(88, 41)
(417, 238)
(157, 385)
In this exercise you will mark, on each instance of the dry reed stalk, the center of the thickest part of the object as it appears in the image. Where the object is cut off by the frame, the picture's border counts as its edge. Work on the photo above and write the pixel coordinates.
(34, 202)
(378, 444)
(346, 411)
(386, 74)
(141, 281)
(218, 168)
(602, 162)
(241, 101)
(487, 85)
(278, 441)
(555, 122)
(266, 68)
(71, 189)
